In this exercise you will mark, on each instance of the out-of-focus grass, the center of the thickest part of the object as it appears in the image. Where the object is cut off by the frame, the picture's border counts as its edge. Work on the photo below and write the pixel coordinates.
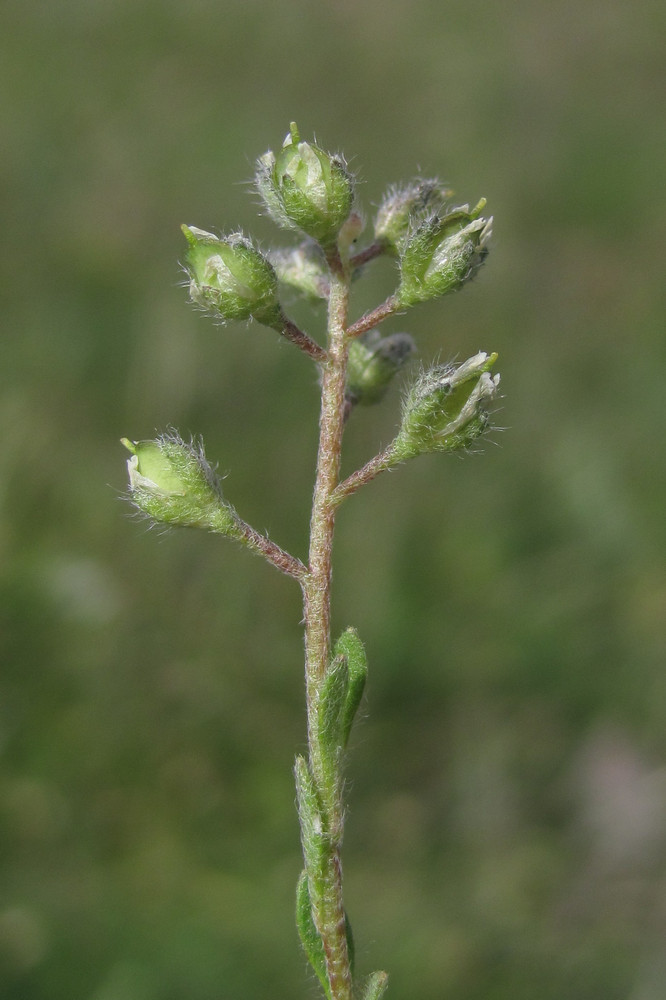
(507, 826)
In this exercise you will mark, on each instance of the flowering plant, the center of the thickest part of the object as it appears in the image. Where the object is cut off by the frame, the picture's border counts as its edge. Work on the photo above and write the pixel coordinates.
(439, 247)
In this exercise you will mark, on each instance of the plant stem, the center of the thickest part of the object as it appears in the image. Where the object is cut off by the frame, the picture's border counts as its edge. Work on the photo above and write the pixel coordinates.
(367, 254)
(302, 340)
(263, 545)
(374, 317)
(384, 460)
(329, 915)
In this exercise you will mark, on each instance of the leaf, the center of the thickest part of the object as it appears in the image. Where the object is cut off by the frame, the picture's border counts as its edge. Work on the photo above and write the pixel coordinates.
(350, 646)
(315, 847)
(351, 948)
(331, 706)
(309, 935)
(375, 986)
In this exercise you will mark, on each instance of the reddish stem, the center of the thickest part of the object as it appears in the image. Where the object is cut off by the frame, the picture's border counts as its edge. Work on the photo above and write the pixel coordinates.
(374, 317)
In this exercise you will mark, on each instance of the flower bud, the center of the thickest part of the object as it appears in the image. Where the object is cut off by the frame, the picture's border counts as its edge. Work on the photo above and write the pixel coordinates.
(305, 188)
(402, 208)
(303, 268)
(231, 278)
(172, 482)
(373, 362)
(441, 254)
(445, 409)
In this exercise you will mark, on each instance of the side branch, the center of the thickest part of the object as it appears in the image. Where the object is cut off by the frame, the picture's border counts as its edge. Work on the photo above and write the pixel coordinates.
(302, 340)
(384, 460)
(374, 317)
(263, 545)
(368, 253)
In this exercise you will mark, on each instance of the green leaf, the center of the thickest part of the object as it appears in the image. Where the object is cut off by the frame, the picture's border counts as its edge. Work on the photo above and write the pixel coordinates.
(375, 986)
(313, 837)
(309, 935)
(351, 948)
(350, 646)
(330, 711)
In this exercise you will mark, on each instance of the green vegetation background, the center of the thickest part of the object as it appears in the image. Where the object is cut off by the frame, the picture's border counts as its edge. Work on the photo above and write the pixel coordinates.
(506, 832)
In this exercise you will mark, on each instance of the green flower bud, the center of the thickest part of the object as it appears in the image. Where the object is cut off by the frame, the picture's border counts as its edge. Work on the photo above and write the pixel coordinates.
(303, 268)
(172, 482)
(305, 188)
(445, 410)
(441, 254)
(373, 362)
(231, 278)
(402, 208)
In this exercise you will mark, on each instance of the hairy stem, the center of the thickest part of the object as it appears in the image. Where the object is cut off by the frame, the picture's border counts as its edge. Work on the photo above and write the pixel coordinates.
(302, 340)
(367, 254)
(263, 545)
(374, 317)
(329, 916)
(384, 460)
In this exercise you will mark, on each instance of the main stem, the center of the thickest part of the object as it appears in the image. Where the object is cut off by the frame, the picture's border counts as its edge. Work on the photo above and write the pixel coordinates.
(330, 917)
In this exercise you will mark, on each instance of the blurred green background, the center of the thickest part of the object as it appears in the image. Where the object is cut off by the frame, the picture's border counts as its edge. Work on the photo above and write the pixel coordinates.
(506, 833)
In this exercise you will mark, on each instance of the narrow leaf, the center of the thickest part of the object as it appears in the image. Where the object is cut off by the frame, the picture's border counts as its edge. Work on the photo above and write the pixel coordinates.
(375, 986)
(351, 948)
(350, 646)
(312, 944)
(330, 709)
(312, 832)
